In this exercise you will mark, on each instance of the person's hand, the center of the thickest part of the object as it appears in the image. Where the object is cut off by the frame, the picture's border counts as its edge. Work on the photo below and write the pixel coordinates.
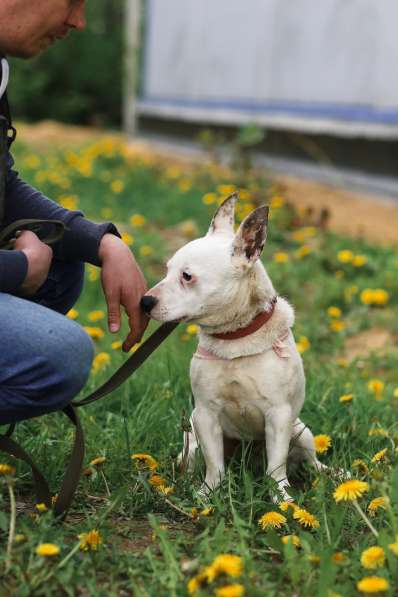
(39, 257)
(123, 284)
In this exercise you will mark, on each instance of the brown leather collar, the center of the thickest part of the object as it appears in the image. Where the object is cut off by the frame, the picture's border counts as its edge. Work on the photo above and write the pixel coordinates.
(253, 326)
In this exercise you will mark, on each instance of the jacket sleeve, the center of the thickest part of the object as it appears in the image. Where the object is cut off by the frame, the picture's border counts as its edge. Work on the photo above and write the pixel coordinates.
(81, 238)
(13, 269)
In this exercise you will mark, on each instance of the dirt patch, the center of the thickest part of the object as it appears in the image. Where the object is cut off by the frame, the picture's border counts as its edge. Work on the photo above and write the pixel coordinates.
(354, 214)
(376, 340)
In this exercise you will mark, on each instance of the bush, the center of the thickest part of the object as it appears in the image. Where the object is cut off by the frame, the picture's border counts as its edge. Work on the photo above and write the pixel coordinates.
(79, 80)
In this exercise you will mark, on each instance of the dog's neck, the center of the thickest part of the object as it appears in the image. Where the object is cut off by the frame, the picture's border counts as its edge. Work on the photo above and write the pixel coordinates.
(257, 296)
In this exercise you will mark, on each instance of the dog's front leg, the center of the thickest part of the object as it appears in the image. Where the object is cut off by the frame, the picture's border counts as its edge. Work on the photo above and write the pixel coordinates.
(278, 430)
(209, 433)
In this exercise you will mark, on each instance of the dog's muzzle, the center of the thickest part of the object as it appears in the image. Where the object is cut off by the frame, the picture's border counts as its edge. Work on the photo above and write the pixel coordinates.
(148, 302)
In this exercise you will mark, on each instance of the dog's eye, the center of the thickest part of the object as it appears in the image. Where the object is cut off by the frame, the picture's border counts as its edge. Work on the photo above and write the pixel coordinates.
(187, 277)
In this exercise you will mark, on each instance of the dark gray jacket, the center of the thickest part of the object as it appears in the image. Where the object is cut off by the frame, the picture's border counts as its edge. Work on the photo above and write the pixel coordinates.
(80, 241)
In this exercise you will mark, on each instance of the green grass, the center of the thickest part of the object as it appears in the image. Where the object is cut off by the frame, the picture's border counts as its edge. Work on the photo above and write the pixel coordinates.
(151, 544)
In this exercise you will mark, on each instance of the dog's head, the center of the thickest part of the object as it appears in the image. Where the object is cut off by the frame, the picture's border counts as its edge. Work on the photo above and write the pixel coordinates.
(210, 276)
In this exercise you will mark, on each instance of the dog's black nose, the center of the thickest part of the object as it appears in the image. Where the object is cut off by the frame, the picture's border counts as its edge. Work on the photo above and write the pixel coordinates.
(148, 302)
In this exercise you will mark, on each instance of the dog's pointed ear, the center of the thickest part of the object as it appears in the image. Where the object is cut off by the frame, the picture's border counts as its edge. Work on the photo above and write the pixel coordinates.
(250, 238)
(224, 218)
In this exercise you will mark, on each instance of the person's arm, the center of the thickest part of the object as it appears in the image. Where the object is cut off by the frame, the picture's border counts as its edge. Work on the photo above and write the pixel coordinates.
(82, 237)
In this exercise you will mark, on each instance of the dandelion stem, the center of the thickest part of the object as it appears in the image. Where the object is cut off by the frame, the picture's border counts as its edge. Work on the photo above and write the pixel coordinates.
(106, 484)
(365, 518)
(326, 526)
(170, 503)
(11, 533)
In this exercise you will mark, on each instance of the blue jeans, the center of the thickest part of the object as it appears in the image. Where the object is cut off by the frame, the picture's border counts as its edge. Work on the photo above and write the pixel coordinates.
(45, 357)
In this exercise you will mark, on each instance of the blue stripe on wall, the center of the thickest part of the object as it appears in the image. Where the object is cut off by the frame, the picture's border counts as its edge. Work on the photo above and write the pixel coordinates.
(335, 111)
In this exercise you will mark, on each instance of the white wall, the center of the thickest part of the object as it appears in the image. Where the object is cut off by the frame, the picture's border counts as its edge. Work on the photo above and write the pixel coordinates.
(326, 65)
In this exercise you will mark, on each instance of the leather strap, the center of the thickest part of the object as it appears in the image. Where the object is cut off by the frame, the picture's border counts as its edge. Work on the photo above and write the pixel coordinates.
(49, 231)
(74, 467)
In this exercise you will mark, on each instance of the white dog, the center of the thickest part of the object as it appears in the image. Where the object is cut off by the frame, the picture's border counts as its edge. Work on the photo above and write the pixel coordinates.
(247, 376)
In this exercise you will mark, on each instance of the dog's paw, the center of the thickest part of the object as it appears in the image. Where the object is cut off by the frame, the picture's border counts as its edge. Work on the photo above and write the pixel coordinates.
(203, 494)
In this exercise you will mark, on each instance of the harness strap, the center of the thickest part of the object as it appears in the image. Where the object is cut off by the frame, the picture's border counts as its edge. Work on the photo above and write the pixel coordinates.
(74, 467)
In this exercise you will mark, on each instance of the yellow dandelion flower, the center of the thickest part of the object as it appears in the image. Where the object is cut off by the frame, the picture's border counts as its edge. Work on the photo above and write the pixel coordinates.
(6, 469)
(185, 185)
(376, 503)
(303, 251)
(20, 538)
(146, 250)
(69, 202)
(173, 172)
(366, 296)
(303, 344)
(336, 325)
(192, 329)
(350, 490)
(227, 563)
(146, 460)
(305, 518)
(338, 557)
(277, 202)
(137, 220)
(281, 257)
(98, 460)
(101, 360)
(334, 312)
(157, 480)
(117, 186)
(41, 507)
(361, 464)
(372, 584)
(94, 332)
(235, 590)
(381, 455)
(207, 511)
(72, 314)
(127, 238)
(373, 557)
(284, 506)
(90, 541)
(345, 256)
(395, 393)
(286, 539)
(273, 520)
(226, 189)
(380, 296)
(47, 550)
(376, 386)
(314, 559)
(394, 546)
(359, 260)
(209, 198)
(346, 398)
(204, 576)
(322, 443)
(378, 431)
